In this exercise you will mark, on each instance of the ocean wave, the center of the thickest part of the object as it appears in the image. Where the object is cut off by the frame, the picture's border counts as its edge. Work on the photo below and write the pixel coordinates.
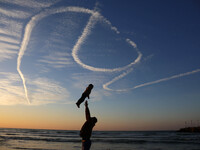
(116, 137)
(105, 140)
(31, 148)
(44, 139)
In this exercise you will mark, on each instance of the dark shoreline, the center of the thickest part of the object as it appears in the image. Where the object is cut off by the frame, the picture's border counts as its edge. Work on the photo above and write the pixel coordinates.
(190, 129)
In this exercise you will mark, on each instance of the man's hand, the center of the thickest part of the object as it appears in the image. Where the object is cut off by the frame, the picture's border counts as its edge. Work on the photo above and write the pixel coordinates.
(86, 103)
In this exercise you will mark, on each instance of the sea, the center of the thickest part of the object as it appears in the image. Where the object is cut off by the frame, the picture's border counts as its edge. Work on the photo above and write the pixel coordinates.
(35, 139)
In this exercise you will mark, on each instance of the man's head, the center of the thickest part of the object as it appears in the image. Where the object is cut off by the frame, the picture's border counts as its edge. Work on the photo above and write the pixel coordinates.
(94, 120)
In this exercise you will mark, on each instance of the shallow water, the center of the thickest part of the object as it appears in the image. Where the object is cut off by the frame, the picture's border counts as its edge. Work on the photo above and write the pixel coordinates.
(33, 139)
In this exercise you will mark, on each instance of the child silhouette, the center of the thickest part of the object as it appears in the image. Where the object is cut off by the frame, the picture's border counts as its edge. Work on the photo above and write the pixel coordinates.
(85, 94)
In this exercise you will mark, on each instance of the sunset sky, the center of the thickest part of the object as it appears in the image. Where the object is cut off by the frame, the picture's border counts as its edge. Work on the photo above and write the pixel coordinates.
(141, 56)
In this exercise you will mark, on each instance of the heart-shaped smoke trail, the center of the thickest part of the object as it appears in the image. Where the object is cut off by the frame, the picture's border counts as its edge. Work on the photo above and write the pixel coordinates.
(94, 18)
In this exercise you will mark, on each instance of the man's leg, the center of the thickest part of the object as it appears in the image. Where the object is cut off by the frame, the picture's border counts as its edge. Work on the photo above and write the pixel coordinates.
(86, 145)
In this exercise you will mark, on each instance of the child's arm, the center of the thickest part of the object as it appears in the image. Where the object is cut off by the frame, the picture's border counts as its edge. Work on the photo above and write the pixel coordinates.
(87, 111)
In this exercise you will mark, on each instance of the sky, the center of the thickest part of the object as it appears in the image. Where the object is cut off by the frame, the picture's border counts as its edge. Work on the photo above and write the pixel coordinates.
(141, 56)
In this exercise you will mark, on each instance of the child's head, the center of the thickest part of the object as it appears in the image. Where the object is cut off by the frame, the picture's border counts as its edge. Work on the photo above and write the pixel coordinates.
(90, 86)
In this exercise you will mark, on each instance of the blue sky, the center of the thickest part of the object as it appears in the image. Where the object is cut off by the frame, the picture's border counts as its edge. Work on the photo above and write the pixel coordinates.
(141, 56)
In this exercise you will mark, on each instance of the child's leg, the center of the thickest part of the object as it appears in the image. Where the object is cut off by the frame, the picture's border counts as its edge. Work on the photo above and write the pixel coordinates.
(81, 99)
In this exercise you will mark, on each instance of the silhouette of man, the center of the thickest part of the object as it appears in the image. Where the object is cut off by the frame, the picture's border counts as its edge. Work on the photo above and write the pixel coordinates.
(86, 129)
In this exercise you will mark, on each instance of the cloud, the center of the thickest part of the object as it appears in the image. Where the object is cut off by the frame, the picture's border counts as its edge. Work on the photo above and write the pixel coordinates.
(9, 32)
(46, 91)
(8, 46)
(42, 90)
(56, 60)
(7, 54)
(11, 91)
(7, 51)
(11, 24)
(31, 3)
(14, 13)
(10, 40)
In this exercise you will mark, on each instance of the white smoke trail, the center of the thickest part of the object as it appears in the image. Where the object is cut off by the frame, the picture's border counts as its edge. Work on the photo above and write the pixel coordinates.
(22, 49)
(76, 48)
(137, 60)
(95, 16)
(87, 30)
(105, 86)
(148, 83)
(168, 78)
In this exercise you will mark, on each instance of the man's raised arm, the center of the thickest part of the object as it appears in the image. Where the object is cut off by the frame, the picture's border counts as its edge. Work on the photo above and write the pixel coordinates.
(87, 111)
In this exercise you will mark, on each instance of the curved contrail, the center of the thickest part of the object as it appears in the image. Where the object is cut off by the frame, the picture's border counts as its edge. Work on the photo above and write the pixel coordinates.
(85, 33)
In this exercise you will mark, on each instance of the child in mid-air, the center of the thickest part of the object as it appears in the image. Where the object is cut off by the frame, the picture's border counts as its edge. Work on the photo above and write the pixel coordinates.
(85, 94)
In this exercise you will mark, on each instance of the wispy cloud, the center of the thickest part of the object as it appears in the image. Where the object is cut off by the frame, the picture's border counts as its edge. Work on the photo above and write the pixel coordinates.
(7, 54)
(42, 90)
(47, 91)
(10, 40)
(14, 13)
(9, 32)
(10, 27)
(31, 4)
(7, 51)
(11, 91)
(8, 46)
(57, 60)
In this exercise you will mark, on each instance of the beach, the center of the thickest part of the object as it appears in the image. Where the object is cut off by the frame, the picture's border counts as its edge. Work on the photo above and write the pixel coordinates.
(35, 139)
